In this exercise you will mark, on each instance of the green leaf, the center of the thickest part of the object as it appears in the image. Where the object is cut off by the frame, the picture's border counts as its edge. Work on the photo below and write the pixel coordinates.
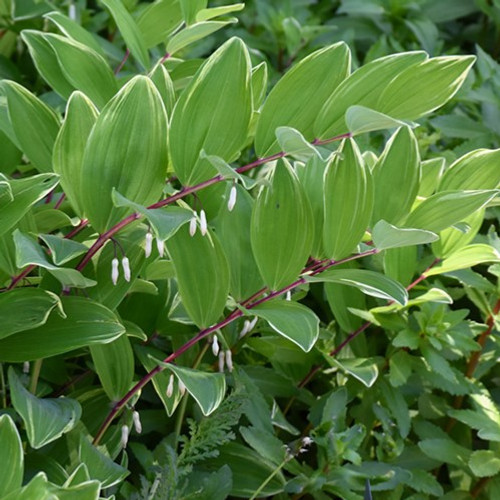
(126, 150)
(206, 14)
(420, 89)
(310, 81)
(400, 263)
(342, 299)
(348, 198)
(360, 120)
(311, 177)
(129, 31)
(80, 117)
(386, 235)
(212, 114)
(281, 228)
(485, 417)
(445, 450)
(164, 221)
(45, 419)
(84, 69)
(114, 363)
(28, 252)
(150, 358)
(363, 369)
(484, 463)
(74, 31)
(190, 8)
(46, 62)
(454, 238)
(25, 308)
(446, 208)
(399, 165)
(163, 81)
(431, 295)
(202, 274)
(228, 172)
(61, 249)
(361, 88)
(259, 84)
(17, 196)
(86, 323)
(158, 20)
(267, 445)
(432, 170)
(208, 389)
(465, 258)
(242, 460)
(397, 405)
(399, 368)
(35, 125)
(475, 170)
(369, 282)
(292, 142)
(195, 32)
(99, 465)
(291, 320)
(11, 456)
(233, 230)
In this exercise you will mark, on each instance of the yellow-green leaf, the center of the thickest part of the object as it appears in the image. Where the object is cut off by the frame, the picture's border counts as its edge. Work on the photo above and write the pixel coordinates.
(475, 170)
(281, 228)
(129, 30)
(399, 165)
(348, 196)
(202, 274)
(126, 150)
(35, 125)
(212, 114)
(299, 96)
(81, 115)
(84, 69)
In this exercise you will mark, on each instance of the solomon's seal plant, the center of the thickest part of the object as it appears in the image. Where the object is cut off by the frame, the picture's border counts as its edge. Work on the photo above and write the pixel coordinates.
(220, 285)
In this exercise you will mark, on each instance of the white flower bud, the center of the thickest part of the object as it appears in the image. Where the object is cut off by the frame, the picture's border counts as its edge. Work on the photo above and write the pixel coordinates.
(192, 226)
(307, 441)
(170, 387)
(253, 323)
(288, 295)
(124, 438)
(72, 11)
(232, 199)
(215, 345)
(160, 245)
(126, 268)
(182, 388)
(148, 248)
(229, 360)
(221, 361)
(114, 271)
(137, 422)
(245, 329)
(203, 223)
(26, 367)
